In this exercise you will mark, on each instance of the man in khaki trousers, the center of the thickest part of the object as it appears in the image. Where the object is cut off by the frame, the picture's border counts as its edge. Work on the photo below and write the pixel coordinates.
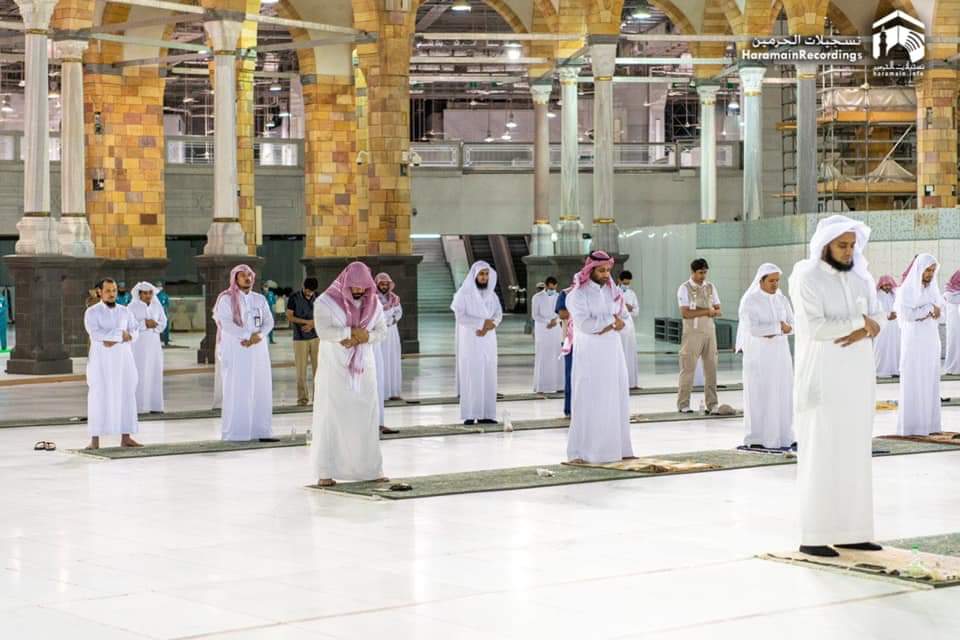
(305, 342)
(699, 305)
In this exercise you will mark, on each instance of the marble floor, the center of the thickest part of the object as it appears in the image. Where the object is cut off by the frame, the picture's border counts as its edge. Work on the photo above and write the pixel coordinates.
(233, 546)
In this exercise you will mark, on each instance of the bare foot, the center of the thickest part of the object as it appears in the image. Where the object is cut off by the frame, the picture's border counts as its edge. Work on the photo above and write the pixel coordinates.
(326, 483)
(127, 441)
(94, 443)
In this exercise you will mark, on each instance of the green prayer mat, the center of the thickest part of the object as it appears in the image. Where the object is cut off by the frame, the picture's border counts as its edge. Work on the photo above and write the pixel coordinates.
(420, 431)
(562, 474)
(939, 558)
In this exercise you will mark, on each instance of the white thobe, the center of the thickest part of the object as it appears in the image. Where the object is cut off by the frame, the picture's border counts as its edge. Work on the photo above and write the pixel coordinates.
(918, 411)
(547, 342)
(834, 404)
(629, 335)
(952, 364)
(387, 354)
(346, 440)
(599, 394)
(887, 344)
(148, 354)
(245, 373)
(111, 371)
(767, 372)
(477, 365)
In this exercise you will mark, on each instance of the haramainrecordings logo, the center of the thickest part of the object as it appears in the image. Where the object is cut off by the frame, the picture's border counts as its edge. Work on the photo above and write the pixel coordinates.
(898, 31)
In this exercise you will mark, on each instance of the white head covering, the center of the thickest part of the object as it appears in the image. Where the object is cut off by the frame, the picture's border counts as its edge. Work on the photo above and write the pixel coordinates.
(912, 293)
(481, 303)
(743, 327)
(829, 229)
(143, 286)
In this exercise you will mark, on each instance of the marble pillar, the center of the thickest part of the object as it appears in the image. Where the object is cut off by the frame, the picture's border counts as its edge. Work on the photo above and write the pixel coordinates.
(225, 236)
(37, 230)
(570, 240)
(806, 138)
(542, 235)
(751, 88)
(74, 233)
(606, 234)
(708, 152)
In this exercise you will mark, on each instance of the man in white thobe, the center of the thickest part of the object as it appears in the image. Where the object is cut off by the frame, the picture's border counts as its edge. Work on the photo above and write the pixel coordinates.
(547, 340)
(387, 351)
(835, 302)
(148, 347)
(478, 313)
(243, 320)
(600, 404)
(765, 321)
(887, 344)
(631, 309)
(951, 297)
(918, 312)
(111, 370)
(349, 322)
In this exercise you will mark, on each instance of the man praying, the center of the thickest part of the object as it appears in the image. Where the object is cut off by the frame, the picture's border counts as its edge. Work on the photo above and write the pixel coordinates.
(600, 409)
(111, 370)
(766, 319)
(628, 336)
(699, 305)
(478, 313)
(305, 343)
(918, 308)
(547, 340)
(387, 351)
(243, 319)
(148, 347)
(349, 322)
(887, 345)
(835, 302)
(951, 297)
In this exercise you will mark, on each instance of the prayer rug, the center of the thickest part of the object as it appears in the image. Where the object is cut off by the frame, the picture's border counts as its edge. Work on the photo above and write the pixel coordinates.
(947, 437)
(184, 448)
(489, 480)
(921, 568)
(775, 452)
(650, 465)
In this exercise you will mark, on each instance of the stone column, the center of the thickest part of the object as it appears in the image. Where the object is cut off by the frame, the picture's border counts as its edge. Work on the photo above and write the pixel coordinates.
(225, 236)
(37, 230)
(542, 235)
(937, 139)
(74, 233)
(807, 137)
(751, 89)
(603, 55)
(571, 229)
(708, 152)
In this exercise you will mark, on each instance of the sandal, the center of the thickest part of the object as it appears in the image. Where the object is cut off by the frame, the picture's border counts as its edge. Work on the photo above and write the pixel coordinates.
(43, 445)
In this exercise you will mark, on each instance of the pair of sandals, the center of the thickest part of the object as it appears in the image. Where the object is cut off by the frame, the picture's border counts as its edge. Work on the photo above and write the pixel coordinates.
(43, 445)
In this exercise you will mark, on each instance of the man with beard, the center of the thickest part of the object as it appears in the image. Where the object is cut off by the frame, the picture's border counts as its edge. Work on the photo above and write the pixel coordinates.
(148, 349)
(478, 313)
(387, 351)
(836, 309)
(111, 370)
(349, 322)
(600, 408)
(243, 318)
(918, 309)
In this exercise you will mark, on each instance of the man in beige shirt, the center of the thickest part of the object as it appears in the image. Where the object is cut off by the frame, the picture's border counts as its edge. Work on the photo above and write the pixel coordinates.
(699, 305)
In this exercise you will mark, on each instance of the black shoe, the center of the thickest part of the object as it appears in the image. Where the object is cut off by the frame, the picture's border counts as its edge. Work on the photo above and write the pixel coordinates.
(486, 421)
(820, 552)
(269, 439)
(469, 422)
(388, 431)
(687, 410)
(860, 546)
(757, 446)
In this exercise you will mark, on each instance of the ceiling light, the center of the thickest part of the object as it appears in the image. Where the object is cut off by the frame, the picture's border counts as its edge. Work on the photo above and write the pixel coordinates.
(733, 106)
(5, 105)
(284, 114)
(188, 99)
(511, 123)
(275, 87)
(514, 54)
(489, 137)
(640, 14)
(551, 114)
(461, 5)
(270, 124)
(513, 45)
(506, 136)
(473, 103)
(54, 92)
